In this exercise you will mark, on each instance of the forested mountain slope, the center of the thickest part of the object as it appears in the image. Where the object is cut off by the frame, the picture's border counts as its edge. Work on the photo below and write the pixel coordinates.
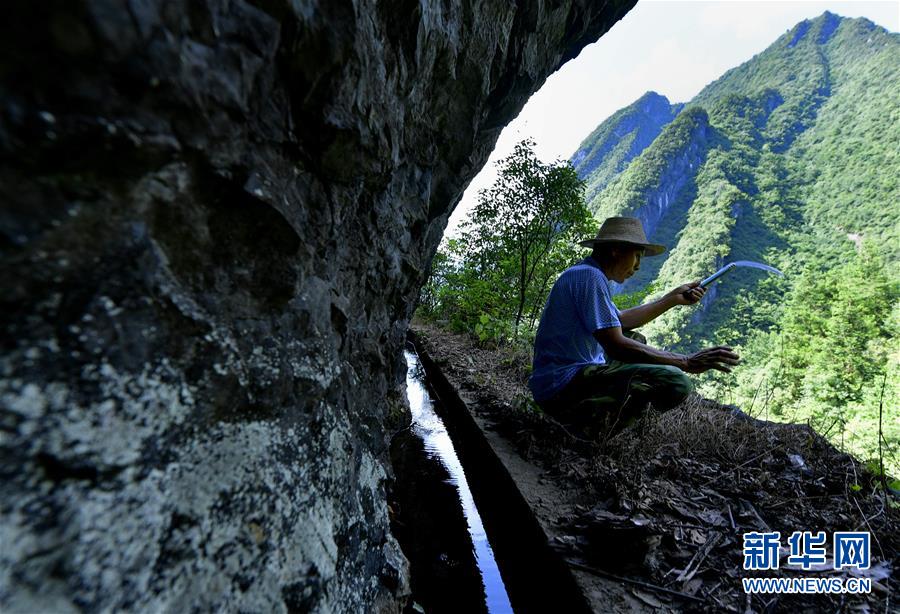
(790, 159)
(615, 142)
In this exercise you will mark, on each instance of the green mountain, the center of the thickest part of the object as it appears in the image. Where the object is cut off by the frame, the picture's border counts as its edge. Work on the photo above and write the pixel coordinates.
(614, 143)
(790, 159)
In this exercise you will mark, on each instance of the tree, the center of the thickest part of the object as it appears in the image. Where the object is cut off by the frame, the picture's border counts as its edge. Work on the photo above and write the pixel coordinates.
(831, 354)
(522, 232)
(531, 209)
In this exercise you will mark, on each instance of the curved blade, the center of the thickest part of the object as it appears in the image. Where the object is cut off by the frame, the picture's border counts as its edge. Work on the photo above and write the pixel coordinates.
(758, 265)
(743, 263)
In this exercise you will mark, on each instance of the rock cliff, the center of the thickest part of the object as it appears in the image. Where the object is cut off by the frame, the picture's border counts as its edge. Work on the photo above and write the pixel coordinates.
(659, 185)
(216, 219)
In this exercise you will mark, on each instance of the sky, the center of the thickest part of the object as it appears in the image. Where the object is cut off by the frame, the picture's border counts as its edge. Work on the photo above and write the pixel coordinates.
(673, 47)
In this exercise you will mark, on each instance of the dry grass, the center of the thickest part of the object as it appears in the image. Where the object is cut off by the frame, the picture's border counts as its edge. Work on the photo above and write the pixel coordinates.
(695, 475)
(708, 431)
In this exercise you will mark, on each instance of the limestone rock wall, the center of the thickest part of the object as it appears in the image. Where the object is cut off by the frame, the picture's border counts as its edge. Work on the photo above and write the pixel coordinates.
(216, 218)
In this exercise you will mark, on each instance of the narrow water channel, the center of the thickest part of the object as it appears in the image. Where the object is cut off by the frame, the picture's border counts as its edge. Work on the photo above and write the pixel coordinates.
(438, 525)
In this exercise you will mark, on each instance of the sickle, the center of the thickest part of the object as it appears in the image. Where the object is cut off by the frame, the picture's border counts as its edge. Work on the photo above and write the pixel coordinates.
(732, 265)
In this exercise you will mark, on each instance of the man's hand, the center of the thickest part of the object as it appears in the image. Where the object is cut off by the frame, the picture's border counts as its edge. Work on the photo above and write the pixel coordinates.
(688, 294)
(719, 358)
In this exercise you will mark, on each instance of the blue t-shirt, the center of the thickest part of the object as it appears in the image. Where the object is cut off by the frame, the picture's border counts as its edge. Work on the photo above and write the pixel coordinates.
(579, 303)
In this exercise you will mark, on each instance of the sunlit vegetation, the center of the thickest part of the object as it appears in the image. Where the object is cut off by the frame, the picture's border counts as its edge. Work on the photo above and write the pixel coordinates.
(797, 166)
(493, 280)
(791, 159)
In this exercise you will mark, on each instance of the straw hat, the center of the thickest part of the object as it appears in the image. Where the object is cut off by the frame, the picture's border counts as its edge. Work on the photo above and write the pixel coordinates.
(624, 230)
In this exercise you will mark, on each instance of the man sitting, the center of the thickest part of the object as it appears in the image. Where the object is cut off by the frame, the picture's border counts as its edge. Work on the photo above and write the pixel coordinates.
(588, 362)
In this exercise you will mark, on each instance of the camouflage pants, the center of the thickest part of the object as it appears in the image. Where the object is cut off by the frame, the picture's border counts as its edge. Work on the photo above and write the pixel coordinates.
(613, 395)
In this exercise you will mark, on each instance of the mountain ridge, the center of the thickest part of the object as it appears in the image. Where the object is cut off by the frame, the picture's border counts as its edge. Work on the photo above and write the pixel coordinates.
(789, 159)
(620, 138)
(777, 117)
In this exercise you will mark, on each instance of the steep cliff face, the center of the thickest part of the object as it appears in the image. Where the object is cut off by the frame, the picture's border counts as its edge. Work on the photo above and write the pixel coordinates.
(654, 179)
(659, 186)
(618, 140)
(216, 219)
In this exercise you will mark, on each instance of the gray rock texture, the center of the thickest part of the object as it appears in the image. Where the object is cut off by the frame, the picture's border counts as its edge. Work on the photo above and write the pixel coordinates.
(216, 218)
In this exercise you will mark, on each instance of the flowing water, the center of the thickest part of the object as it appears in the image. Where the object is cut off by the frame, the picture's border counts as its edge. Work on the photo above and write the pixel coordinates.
(439, 566)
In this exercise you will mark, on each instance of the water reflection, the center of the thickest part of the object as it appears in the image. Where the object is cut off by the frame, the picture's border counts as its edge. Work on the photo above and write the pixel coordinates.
(427, 425)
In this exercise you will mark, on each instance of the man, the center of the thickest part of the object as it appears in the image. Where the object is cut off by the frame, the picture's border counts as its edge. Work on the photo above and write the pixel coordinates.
(588, 363)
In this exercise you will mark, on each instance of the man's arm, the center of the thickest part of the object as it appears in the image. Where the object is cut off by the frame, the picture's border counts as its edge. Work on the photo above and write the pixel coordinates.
(688, 294)
(619, 347)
